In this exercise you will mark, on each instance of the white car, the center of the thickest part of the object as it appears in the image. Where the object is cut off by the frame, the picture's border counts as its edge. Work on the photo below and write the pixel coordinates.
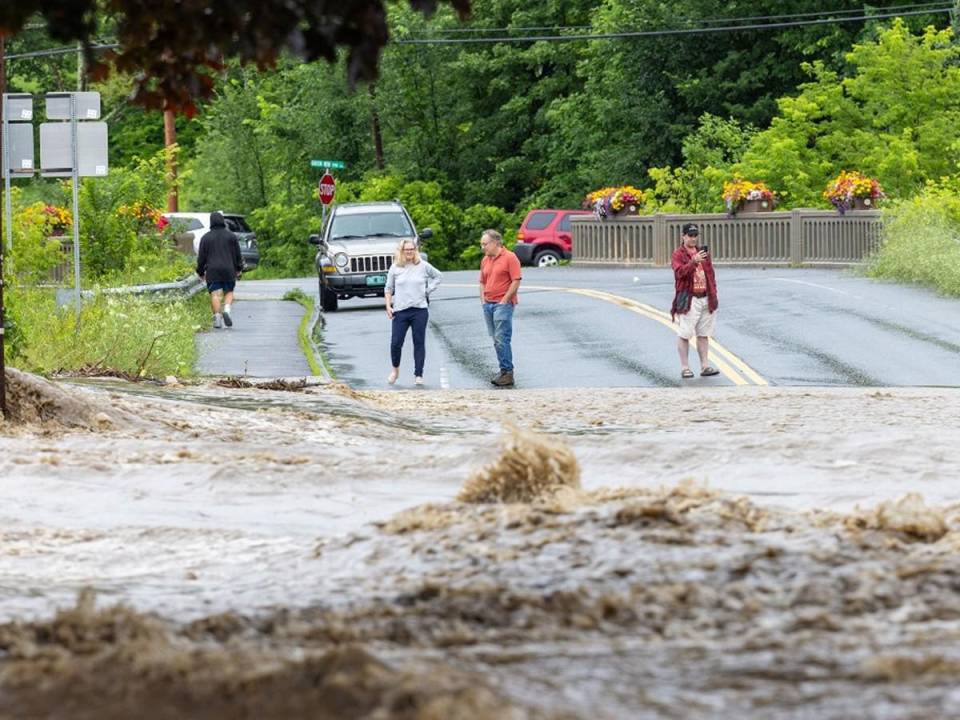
(198, 224)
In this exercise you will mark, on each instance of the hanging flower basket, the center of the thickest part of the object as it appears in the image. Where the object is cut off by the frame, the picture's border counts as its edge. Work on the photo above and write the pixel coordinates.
(755, 206)
(614, 201)
(744, 196)
(853, 191)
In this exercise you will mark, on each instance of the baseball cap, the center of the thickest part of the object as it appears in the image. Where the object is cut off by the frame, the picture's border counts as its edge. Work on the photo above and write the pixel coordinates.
(691, 229)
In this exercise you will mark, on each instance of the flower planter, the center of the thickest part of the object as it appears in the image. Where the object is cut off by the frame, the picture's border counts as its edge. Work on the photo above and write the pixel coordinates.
(755, 206)
(625, 211)
(862, 203)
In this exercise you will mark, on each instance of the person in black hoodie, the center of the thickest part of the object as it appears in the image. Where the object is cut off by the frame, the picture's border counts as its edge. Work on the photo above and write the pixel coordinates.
(220, 263)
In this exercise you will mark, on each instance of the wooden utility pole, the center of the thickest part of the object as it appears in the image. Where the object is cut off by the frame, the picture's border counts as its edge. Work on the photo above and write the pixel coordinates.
(3, 316)
(169, 144)
(375, 126)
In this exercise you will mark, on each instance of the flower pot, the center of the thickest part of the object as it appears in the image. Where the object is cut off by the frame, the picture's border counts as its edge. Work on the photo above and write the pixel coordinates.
(755, 206)
(863, 203)
(625, 211)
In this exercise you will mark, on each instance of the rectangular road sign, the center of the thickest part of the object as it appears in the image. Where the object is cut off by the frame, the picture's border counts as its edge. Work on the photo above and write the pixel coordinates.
(21, 149)
(55, 155)
(19, 107)
(88, 105)
(328, 164)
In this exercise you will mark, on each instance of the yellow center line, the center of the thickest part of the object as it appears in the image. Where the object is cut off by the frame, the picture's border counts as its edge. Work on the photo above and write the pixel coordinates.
(731, 366)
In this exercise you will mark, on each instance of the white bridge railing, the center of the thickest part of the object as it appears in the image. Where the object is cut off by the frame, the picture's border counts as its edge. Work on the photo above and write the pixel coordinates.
(797, 237)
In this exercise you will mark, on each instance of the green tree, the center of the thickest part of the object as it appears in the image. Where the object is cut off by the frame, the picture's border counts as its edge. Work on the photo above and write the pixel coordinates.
(894, 115)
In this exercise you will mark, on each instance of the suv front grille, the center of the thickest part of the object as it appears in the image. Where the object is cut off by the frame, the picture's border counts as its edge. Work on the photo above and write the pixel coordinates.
(371, 263)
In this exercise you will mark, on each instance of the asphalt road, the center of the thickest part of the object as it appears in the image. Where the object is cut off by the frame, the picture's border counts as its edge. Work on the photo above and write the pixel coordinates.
(578, 327)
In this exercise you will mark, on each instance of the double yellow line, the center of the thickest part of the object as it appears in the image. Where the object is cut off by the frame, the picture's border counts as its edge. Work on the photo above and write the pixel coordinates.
(729, 365)
(732, 367)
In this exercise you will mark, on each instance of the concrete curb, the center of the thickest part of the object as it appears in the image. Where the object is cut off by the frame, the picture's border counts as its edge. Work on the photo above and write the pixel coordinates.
(317, 317)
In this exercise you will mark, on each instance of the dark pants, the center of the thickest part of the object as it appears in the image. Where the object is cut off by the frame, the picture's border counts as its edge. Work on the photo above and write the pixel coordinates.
(415, 318)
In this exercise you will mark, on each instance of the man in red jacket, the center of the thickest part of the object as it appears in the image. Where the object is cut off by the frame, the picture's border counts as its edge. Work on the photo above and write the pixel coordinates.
(694, 301)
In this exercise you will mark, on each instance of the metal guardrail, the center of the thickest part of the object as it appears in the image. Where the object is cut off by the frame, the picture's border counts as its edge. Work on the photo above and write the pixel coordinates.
(798, 237)
(188, 287)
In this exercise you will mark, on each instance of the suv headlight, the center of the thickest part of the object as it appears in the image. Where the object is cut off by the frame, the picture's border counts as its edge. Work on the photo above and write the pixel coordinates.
(325, 264)
(341, 260)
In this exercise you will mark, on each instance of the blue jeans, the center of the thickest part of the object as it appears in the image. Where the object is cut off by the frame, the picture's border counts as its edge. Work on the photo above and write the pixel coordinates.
(416, 319)
(500, 326)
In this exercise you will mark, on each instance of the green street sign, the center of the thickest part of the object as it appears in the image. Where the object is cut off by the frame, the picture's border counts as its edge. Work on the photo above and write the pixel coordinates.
(328, 164)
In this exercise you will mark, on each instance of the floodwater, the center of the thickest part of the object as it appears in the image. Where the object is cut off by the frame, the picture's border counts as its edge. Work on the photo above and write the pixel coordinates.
(224, 552)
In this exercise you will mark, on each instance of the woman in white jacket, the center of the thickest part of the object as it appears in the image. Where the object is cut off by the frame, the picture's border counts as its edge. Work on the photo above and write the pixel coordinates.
(410, 282)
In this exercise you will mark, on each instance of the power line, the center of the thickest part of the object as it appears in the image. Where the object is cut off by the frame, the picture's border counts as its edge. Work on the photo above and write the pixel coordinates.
(666, 33)
(935, 6)
(58, 51)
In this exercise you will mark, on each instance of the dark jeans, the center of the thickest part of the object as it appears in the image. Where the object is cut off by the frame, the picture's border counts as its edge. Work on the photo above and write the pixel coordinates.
(415, 318)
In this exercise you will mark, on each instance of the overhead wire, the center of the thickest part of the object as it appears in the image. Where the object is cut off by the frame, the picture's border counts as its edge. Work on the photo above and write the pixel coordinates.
(667, 32)
(59, 51)
(942, 4)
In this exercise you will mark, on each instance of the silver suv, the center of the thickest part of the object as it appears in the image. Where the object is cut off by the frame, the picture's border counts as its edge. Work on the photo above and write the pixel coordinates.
(356, 249)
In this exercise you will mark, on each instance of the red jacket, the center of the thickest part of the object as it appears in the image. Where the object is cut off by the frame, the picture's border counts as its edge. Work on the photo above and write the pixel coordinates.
(683, 268)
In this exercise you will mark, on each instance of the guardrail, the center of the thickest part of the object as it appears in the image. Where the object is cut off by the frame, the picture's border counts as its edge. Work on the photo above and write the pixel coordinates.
(798, 237)
(187, 287)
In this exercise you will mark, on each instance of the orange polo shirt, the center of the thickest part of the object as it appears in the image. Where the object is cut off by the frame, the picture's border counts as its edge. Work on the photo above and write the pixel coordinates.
(497, 273)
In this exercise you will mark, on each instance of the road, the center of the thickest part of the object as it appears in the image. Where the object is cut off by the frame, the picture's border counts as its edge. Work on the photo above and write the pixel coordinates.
(610, 327)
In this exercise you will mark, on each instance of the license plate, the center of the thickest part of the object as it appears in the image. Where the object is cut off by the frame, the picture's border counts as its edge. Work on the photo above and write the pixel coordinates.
(376, 279)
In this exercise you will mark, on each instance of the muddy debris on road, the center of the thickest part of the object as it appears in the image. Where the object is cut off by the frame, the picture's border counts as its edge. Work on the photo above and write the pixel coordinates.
(322, 554)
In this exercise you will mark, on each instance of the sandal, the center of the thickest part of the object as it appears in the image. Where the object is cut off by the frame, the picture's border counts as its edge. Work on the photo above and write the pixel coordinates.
(708, 370)
(687, 373)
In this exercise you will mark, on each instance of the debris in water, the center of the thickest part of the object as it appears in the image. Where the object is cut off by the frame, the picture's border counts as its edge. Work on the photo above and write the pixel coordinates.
(33, 399)
(530, 468)
(908, 515)
(276, 384)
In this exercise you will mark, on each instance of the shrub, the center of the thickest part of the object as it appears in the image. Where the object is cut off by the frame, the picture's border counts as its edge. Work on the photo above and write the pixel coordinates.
(921, 240)
(130, 334)
(117, 213)
(476, 219)
(282, 234)
(35, 254)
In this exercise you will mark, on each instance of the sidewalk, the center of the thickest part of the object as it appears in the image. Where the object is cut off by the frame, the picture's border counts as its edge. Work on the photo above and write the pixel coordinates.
(262, 342)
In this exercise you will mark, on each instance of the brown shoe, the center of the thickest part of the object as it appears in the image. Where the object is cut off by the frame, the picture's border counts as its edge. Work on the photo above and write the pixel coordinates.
(504, 379)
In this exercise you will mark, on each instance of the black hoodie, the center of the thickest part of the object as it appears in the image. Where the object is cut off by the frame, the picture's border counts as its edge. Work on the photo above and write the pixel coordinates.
(219, 255)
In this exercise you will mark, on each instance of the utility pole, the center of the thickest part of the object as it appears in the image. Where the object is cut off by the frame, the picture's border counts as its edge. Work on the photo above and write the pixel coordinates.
(169, 144)
(80, 67)
(3, 316)
(375, 126)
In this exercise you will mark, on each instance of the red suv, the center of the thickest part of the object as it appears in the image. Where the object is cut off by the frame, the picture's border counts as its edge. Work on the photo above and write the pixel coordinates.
(545, 237)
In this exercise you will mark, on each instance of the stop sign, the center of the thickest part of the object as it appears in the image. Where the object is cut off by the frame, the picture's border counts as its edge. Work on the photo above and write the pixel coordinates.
(327, 189)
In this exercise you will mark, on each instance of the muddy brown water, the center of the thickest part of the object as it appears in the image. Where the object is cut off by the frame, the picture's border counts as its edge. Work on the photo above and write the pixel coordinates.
(218, 552)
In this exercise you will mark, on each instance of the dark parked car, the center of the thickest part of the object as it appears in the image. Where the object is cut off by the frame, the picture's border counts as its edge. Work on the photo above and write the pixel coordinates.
(545, 237)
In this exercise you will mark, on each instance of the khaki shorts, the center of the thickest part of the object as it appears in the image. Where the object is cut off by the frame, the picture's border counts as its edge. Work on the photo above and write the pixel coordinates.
(698, 320)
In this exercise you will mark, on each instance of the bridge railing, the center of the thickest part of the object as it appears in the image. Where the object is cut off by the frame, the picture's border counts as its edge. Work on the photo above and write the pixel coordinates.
(796, 237)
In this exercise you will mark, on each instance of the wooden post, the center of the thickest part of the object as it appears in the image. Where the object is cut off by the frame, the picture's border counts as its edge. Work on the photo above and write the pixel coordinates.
(3, 316)
(375, 127)
(169, 144)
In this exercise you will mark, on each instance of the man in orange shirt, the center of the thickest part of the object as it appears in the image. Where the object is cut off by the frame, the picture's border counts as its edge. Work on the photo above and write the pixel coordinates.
(499, 282)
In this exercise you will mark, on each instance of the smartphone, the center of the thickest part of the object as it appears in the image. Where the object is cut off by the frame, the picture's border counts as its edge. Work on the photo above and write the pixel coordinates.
(705, 248)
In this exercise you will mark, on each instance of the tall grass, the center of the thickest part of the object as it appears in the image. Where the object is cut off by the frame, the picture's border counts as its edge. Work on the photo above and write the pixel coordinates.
(128, 334)
(921, 242)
